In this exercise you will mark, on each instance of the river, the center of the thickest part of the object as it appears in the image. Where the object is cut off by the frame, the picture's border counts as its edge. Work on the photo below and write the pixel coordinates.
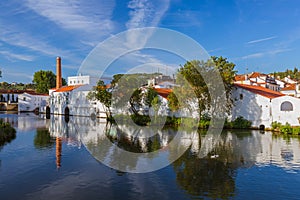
(83, 158)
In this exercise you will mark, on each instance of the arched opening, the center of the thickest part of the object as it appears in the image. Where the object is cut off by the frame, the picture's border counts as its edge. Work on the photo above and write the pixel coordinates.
(286, 106)
(37, 110)
(262, 127)
(47, 112)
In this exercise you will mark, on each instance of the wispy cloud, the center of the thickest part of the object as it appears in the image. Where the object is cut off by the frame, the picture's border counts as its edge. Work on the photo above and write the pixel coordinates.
(12, 36)
(13, 56)
(144, 13)
(261, 40)
(91, 17)
(262, 54)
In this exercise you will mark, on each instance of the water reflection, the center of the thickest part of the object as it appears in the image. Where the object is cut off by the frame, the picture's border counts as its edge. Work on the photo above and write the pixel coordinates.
(209, 168)
(43, 139)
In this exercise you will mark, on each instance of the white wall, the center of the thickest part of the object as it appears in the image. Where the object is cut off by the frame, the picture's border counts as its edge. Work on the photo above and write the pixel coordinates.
(28, 102)
(286, 116)
(251, 106)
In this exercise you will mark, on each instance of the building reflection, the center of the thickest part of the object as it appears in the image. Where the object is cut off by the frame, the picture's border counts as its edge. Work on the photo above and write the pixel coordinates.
(207, 168)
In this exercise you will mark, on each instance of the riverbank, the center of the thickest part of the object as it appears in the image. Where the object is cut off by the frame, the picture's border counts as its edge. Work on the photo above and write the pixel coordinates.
(203, 123)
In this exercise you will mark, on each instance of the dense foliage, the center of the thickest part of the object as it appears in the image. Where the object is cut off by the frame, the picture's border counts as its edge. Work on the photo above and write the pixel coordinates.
(45, 80)
(285, 129)
(238, 123)
(294, 74)
(193, 85)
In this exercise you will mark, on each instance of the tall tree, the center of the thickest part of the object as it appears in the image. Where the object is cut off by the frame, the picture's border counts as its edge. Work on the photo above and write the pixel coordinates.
(193, 85)
(44, 80)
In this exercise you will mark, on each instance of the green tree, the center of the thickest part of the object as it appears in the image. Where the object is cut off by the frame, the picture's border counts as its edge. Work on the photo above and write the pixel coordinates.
(44, 80)
(192, 84)
(101, 94)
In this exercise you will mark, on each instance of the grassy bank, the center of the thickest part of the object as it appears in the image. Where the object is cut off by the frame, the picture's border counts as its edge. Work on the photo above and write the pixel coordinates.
(286, 129)
(204, 122)
(7, 133)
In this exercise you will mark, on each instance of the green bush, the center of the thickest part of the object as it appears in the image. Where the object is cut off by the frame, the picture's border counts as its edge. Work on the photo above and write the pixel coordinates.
(276, 126)
(286, 129)
(240, 123)
(296, 131)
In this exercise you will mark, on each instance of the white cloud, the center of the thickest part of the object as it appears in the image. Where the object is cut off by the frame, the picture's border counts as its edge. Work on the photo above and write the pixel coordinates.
(12, 56)
(261, 40)
(144, 13)
(263, 54)
(89, 17)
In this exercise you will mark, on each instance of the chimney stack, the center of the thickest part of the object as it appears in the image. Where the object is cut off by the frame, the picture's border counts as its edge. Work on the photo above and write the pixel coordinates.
(58, 73)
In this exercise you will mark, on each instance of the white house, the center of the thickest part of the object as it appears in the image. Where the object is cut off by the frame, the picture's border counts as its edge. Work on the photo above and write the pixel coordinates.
(31, 101)
(72, 99)
(263, 106)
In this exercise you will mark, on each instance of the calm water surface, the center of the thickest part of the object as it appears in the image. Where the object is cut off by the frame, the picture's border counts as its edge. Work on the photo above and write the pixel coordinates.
(54, 159)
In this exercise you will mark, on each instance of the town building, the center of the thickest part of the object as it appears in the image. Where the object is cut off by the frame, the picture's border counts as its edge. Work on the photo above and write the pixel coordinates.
(262, 106)
(72, 99)
(31, 101)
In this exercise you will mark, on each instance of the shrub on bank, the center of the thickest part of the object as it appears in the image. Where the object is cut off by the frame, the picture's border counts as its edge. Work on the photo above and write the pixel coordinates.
(238, 123)
(285, 129)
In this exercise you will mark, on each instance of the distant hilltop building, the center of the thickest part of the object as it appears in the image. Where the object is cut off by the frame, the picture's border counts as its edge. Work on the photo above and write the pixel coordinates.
(72, 99)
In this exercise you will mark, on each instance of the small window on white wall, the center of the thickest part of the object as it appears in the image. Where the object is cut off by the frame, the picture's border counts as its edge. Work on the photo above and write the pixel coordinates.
(286, 106)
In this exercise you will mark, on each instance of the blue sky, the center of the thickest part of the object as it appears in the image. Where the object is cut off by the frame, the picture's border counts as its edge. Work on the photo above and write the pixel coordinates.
(254, 34)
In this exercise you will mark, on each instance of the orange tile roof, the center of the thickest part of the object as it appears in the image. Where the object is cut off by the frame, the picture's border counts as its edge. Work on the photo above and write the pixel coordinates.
(256, 74)
(67, 88)
(261, 91)
(163, 92)
(240, 77)
(289, 87)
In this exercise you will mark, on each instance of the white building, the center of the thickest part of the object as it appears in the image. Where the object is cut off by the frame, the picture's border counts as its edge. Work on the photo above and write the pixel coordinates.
(82, 80)
(31, 101)
(72, 99)
(263, 106)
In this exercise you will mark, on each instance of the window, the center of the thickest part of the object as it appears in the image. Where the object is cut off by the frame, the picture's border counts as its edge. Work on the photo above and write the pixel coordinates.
(286, 106)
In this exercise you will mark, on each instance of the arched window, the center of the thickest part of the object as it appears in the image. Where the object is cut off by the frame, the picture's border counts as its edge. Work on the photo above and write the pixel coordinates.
(286, 106)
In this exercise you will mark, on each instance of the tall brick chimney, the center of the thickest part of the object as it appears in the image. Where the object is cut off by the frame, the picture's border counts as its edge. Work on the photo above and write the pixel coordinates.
(58, 73)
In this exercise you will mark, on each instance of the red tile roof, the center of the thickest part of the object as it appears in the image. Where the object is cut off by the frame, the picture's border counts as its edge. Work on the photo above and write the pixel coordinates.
(67, 88)
(261, 91)
(289, 87)
(256, 74)
(240, 77)
(163, 92)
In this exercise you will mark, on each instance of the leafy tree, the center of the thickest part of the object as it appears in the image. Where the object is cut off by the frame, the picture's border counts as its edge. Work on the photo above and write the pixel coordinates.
(100, 93)
(45, 80)
(0, 74)
(193, 85)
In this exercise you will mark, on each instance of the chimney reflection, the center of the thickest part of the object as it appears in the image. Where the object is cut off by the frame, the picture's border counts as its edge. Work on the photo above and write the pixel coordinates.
(58, 152)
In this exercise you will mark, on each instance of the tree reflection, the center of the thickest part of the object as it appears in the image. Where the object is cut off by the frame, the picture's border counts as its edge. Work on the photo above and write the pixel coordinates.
(212, 176)
(43, 139)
